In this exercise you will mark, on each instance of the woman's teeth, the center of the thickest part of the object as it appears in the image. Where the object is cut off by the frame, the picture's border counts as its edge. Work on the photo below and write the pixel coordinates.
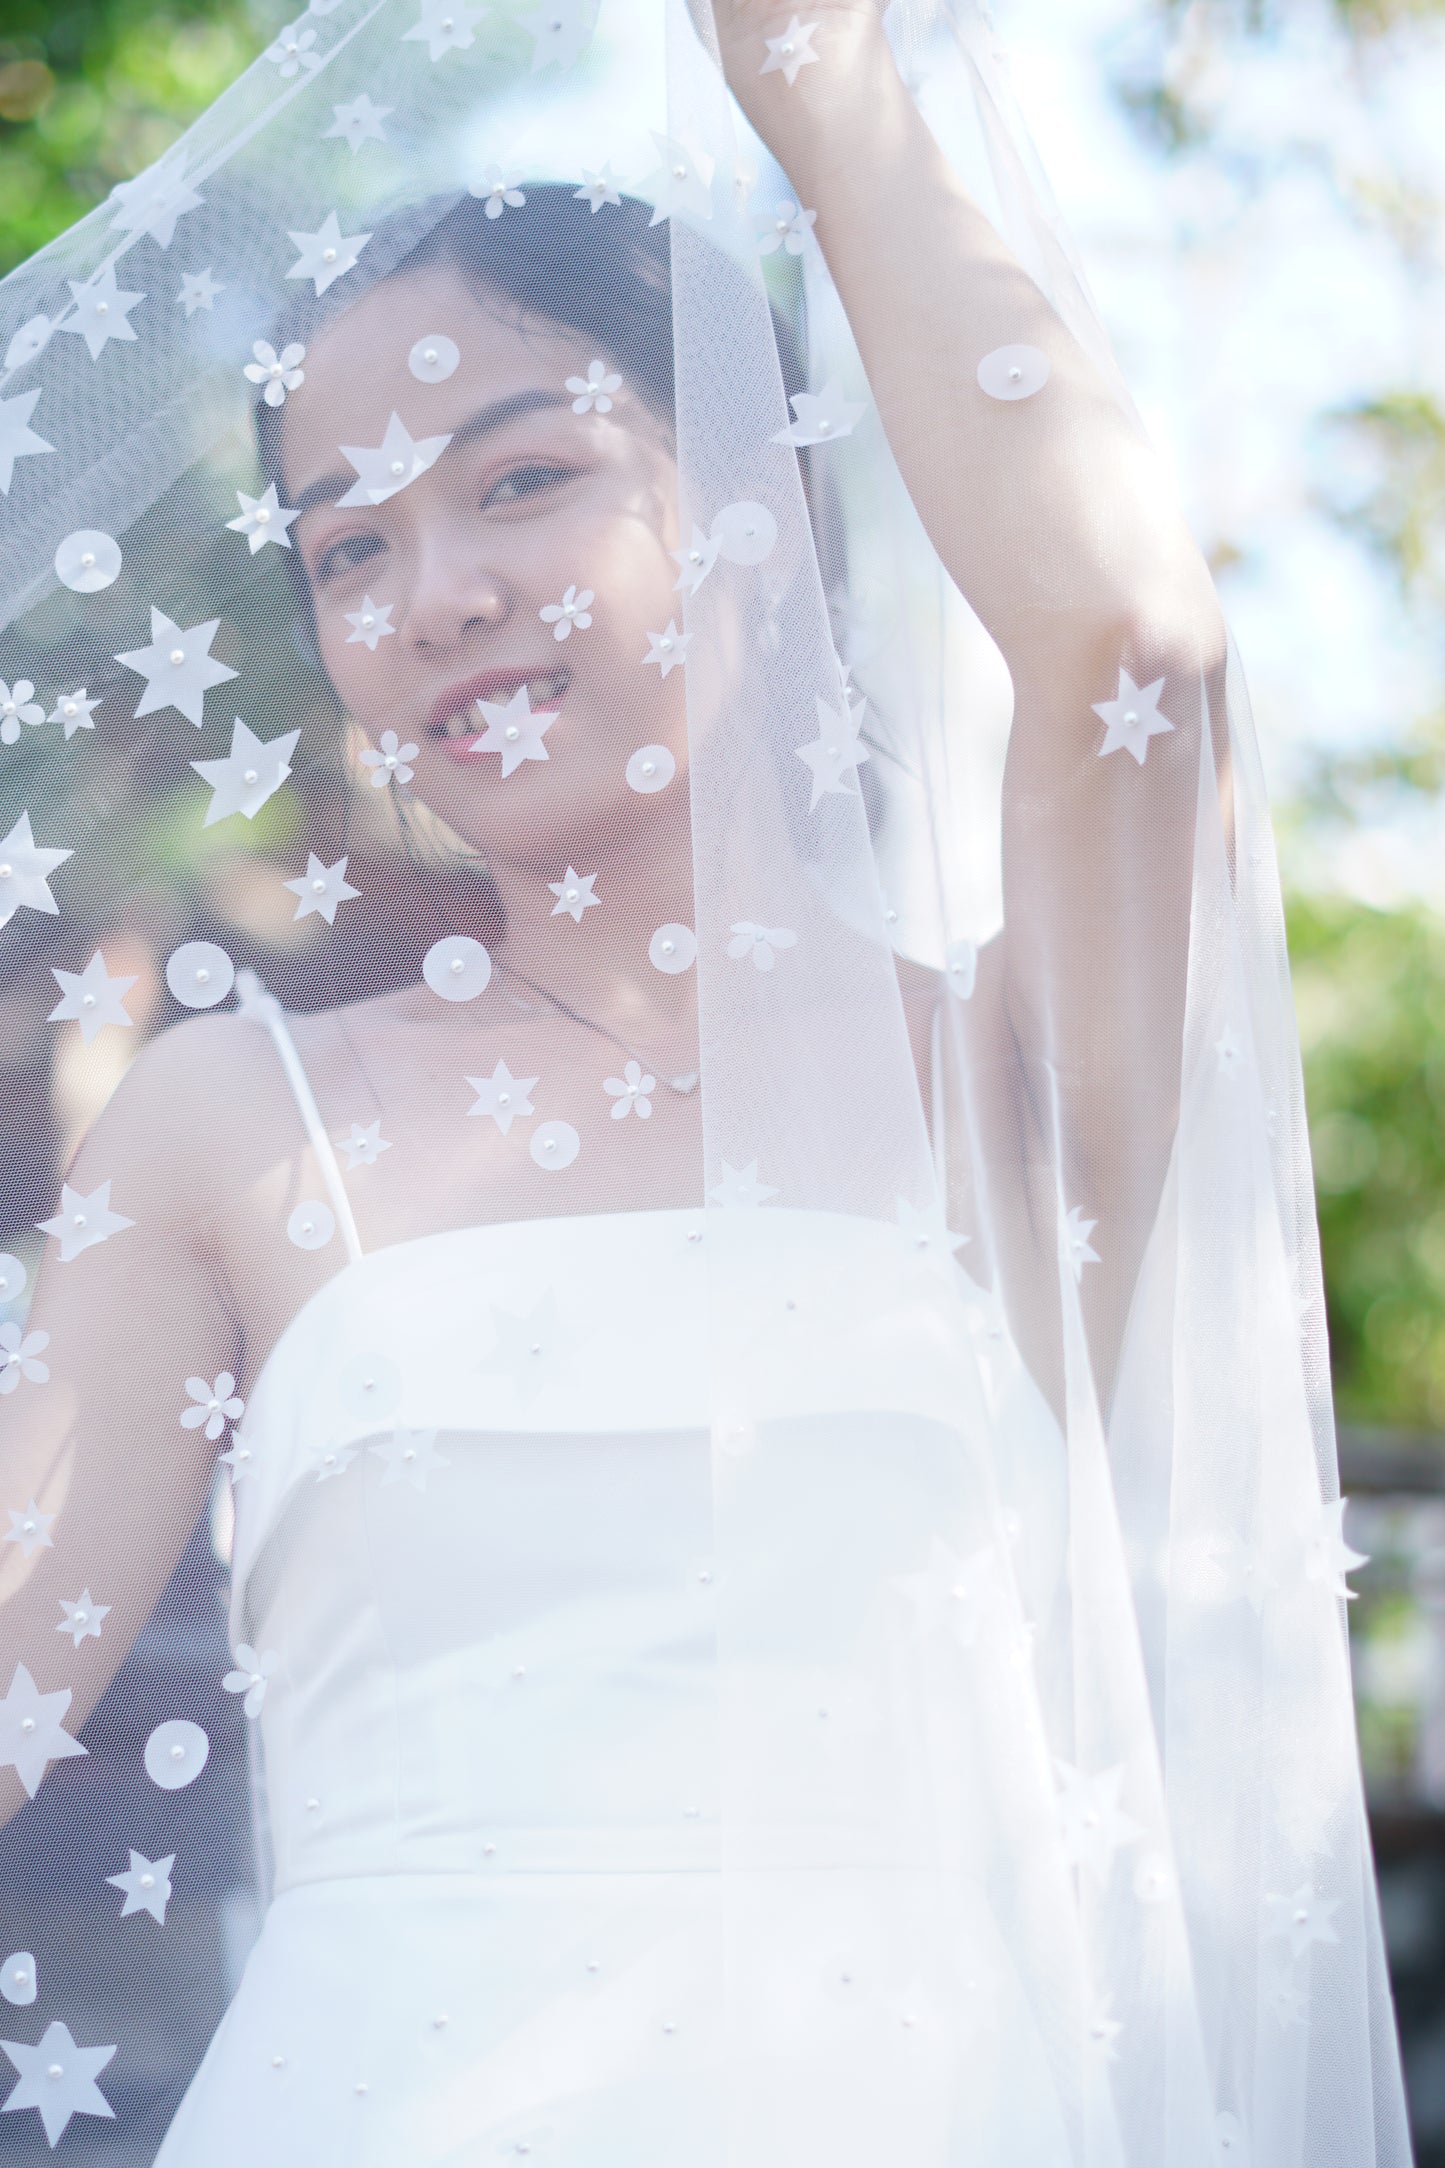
(548, 686)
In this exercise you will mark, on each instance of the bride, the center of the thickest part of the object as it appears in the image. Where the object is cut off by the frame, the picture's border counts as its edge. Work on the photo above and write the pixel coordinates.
(725, 1684)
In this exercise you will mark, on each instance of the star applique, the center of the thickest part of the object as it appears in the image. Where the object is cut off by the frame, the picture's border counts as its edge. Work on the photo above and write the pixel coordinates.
(31, 1733)
(950, 1594)
(683, 181)
(561, 31)
(83, 1619)
(74, 712)
(198, 291)
(154, 200)
(146, 1883)
(1329, 1557)
(29, 1528)
(740, 1189)
(365, 1145)
(926, 1231)
(387, 467)
(83, 1220)
(529, 1348)
(1132, 717)
(248, 775)
(57, 2079)
(1074, 1244)
(667, 649)
(326, 254)
(791, 52)
(101, 311)
(822, 416)
(446, 26)
(178, 667)
(502, 1096)
(1304, 1918)
(574, 894)
(836, 754)
(333, 1459)
(263, 519)
(358, 123)
(371, 624)
(1245, 1571)
(514, 730)
(17, 439)
(409, 1456)
(1093, 1824)
(598, 189)
(695, 562)
(25, 870)
(321, 888)
(91, 998)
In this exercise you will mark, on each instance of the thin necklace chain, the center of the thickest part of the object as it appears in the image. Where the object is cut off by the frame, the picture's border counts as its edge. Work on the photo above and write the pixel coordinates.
(684, 1082)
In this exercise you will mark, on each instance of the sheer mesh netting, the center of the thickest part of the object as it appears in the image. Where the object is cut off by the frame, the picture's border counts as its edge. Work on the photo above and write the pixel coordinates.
(667, 1447)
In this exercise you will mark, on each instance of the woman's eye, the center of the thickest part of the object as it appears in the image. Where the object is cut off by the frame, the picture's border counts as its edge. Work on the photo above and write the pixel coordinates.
(345, 555)
(526, 481)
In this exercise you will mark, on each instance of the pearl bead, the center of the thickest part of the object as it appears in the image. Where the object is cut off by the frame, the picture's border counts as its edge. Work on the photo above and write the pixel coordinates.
(679, 173)
(440, 2022)
(457, 966)
(178, 1752)
(694, 557)
(549, 1144)
(147, 1881)
(278, 2062)
(361, 2087)
(55, 2070)
(430, 354)
(1015, 375)
(1301, 1919)
(4, 873)
(178, 656)
(318, 888)
(249, 776)
(666, 645)
(27, 1724)
(263, 514)
(504, 1099)
(571, 895)
(313, 1806)
(203, 976)
(77, 1219)
(367, 621)
(787, 49)
(328, 255)
(87, 559)
(398, 466)
(694, 1234)
(823, 427)
(649, 767)
(1130, 718)
(512, 733)
(102, 308)
(69, 708)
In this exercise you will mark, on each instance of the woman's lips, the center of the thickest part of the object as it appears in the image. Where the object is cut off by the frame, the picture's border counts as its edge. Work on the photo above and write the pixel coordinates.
(455, 723)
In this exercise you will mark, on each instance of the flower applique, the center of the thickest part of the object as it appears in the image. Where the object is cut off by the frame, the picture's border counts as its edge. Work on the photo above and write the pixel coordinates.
(358, 123)
(667, 649)
(682, 184)
(446, 26)
(498, 188)
(17, 706)
(561, 31)
(370, 625)
(595, 390)
(574, 894)
(837, 753)
(740, 1189)
(503, 1096)
(630, 1092)
(263, 519)
(792, 52)
(154, 200)
(1132, 717)
(251, 1677)
(92, 998)
(789, 229)
(29, 1529)
(364, 1145)
(83, 1220)
(213, 1406)
(761, 943)
(279, 373)
(1074, 1244)
(293, 52)
(31, 1733)
(321, 888)
(100, 312)
(326, 254)
(17, 439)
(178, 667)
(574, 611)
(57, 2078)
(20, 1354)
(385, 468)
(146, 1883)
(598, 189)
(822, 416)
(253, 770)
(198, 291)
(513, 729)
(391, 763)
(83, 1619)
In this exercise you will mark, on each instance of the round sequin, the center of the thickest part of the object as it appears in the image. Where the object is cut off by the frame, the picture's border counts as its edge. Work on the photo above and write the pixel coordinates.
(434, 358)
(311, 1225)
(651, 768)
(1013, 372)
(175, 1754)
(17, 1977)
(555, 1144)
(87, 560)
(200, 974)
(745, 533)
(457, 968)
(672, 948)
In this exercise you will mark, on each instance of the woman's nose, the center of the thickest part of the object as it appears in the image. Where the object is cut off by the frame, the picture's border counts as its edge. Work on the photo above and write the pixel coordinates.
(450, 594)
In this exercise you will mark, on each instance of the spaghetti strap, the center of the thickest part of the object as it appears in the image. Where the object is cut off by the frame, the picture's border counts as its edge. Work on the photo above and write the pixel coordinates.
(256, 1002)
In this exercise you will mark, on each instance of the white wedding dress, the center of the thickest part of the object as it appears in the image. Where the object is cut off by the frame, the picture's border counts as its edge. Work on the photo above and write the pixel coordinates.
(472, 1553)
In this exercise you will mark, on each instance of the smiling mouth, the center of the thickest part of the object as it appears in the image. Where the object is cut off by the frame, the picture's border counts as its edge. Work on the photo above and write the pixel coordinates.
(543, 688)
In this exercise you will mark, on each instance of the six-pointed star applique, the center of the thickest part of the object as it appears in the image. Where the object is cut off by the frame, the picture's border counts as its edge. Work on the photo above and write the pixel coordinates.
(574, 894)
(598, 188)
(791, 52)
(83, 1619)
(249, 773)
(73, 711)
(100, 312)
(822, 416)
(502, 1095)
(683, 182)
(1132, 717)
(91, 998)
(561, 30)
(29, 1528)
(263, 519)
(1074, 1244)
(321, 888)
(146, 1883)
(358, 123)
(667, 649)
(836, 753)
(154, 200)
(409, 1456)
(178, 667)
(198, 291)
(57, 2079)
(25, 870)
(1304, 1917)
(528, 1348)
(325, 254)
(1093, 1824)
(83, 1219)
(370, 625)
(385, 468)
(31, 1733)
(446, 26)
(740, 1188)
(1329, 1557)
(514, 730)
(365, 1144)
(17, 439)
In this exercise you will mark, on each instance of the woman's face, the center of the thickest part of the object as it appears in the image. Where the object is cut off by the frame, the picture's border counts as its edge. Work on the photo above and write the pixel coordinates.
(526, 501)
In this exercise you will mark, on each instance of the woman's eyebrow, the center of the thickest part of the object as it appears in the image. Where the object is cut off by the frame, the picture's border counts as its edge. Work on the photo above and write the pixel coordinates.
(328, 487)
